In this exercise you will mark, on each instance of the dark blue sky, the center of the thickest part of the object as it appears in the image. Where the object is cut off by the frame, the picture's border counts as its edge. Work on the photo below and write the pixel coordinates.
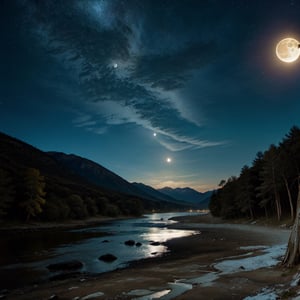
(97, 78)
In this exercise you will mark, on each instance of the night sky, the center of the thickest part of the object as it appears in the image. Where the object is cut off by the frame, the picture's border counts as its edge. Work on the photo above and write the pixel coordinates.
(98, 78)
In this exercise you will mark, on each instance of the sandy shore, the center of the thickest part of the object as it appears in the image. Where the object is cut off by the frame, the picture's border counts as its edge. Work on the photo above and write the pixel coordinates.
(191, 270)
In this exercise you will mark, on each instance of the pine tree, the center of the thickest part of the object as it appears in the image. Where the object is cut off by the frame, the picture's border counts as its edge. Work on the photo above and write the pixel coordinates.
(246, 193)
(7, 193)
(288, 175)
(34, 186)
(270, 180)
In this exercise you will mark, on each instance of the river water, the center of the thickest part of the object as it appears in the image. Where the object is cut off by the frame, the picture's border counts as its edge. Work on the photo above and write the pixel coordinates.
(24, 257)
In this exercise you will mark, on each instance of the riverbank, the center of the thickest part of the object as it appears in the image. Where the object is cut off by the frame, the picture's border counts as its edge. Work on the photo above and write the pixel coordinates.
(215, 264)
(69, 224)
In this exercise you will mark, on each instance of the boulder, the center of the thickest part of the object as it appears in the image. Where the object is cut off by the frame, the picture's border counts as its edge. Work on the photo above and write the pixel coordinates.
(155, 243)
(138, 244)
(130, 243)
(108, 257)
(65, 266)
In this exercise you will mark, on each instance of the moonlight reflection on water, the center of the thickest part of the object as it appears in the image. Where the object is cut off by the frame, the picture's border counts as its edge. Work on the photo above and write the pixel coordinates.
(150, 231)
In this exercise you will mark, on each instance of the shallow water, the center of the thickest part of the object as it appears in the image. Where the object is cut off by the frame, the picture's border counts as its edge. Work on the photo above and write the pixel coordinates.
(24, 259)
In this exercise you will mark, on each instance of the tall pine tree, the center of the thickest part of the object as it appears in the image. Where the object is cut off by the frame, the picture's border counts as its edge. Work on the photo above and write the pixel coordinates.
(34, 186)
(7, 193)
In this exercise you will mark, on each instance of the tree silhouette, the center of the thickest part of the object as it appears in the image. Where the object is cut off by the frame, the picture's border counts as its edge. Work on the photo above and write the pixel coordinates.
(270, 180)
(34, 185)
(7, 193)
(246, 192)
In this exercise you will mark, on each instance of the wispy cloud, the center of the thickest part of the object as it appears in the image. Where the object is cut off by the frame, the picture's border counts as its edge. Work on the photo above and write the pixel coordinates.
(121, 79)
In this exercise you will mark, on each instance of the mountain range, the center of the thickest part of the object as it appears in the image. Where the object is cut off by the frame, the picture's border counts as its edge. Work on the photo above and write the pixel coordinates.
(67, 174)
(105, 178)
(188, 195)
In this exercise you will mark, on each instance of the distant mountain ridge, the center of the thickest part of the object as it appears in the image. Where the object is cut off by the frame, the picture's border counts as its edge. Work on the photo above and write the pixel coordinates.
(188, 195)
(104, 178)
(148, 190)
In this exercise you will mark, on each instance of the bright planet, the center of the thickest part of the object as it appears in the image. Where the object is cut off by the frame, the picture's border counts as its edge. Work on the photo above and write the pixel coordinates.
(287, 50)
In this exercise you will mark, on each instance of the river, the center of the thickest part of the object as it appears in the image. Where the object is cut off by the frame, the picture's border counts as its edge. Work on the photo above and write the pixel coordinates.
(24, 257)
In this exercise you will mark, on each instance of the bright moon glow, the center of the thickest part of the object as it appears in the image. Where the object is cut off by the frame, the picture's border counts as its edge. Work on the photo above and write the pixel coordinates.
(154, 134)
(287, 50)
(115, 65)
(169, 160)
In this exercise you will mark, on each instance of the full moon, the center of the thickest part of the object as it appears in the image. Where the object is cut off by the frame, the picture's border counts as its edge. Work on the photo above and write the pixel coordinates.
(169, 160)
(288, 50)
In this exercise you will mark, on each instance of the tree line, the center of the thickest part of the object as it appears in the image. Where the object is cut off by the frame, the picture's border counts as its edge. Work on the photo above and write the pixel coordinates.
(267, 188)
(31, 196)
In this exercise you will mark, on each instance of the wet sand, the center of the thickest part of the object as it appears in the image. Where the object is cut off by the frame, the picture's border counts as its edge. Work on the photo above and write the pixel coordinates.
(188, 258)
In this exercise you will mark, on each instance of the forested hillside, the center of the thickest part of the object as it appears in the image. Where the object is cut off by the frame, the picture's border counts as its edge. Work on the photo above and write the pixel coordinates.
(36, 186)
(269, 187)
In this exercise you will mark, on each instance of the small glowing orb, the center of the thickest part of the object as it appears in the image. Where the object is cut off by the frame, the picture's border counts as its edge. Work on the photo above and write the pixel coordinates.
(169, 160)
(288, 50)
(115, 65)
(154, 134)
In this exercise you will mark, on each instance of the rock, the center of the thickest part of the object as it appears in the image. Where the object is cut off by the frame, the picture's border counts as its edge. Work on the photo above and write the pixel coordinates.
(138, 244)
(105, 241)
(53, 297)
(3, 293)
(66, 265)
(130, 243)
(108, 257)
(155, 243)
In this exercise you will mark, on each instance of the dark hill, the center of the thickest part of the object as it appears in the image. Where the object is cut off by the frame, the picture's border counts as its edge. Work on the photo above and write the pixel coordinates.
(94, 173)
(16, 155)
(75, 187)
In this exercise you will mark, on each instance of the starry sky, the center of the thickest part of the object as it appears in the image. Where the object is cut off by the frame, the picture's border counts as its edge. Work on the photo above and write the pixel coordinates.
(98, 78)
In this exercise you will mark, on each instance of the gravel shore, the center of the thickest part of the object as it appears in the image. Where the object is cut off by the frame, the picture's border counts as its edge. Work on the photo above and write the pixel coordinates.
(188, 271)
